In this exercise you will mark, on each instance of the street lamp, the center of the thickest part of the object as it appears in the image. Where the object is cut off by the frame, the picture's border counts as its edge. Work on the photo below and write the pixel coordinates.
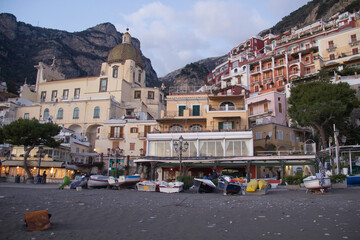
(180, 148)
(336, 134)
(40, 153)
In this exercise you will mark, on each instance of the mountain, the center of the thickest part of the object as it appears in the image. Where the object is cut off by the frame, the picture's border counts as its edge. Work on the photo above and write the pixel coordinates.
(77, 54)
(307, 14)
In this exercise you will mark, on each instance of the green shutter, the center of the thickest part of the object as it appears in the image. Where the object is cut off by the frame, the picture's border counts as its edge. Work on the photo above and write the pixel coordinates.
(232, 125)
(196, 110)
(181, 110)
(220, 125)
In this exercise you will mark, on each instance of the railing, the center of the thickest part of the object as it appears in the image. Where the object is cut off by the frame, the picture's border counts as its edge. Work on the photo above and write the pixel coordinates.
(294, 61)
(354, 42)
(183, 89)
(142, 134)
(312, 71)
(331, 48)
(116, 136)
(279, 64)
(226, 108)
(255, 71)
(294, 72)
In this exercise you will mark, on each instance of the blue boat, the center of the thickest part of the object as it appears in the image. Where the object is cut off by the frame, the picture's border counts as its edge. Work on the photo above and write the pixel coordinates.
(353, 180)
(231, 187)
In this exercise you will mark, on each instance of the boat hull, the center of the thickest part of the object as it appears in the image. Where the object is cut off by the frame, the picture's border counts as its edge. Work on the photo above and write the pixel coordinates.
(232, 188)
(204, 185)
(124, 180)
(98, 181)
(172, 187)
(317, 183)
(147, 186)
(353, 180)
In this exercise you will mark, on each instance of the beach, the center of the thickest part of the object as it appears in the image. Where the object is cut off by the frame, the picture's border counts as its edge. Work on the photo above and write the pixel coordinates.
(129, 214)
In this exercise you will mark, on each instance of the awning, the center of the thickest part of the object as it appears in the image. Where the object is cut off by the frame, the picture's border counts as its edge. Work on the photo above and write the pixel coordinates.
(44, 164)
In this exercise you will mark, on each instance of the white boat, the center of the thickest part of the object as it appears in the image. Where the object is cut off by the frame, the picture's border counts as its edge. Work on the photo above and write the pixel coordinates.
(98, 181)
(148, 186)
(317, 183)
(127, 180)
(171, 187)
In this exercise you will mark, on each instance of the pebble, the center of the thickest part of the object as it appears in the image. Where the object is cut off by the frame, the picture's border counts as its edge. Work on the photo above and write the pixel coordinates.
(345, 237)
(327, 234)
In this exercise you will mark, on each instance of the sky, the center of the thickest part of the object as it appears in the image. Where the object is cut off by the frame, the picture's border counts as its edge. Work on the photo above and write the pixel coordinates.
(172, 33)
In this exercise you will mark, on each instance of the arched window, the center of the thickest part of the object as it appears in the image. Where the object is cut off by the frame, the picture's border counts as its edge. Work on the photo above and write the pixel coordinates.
(97, 112)
(46, 114)
(196, 128)
(175, 128)
(60, 113)
(230, 106)
(76, 113)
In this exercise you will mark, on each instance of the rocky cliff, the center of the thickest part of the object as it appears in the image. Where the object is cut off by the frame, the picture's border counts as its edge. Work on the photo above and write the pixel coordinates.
(77, 54)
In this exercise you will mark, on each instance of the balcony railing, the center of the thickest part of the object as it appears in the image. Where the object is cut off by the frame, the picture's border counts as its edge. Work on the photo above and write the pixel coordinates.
(354, 42)
(227, 108)
(116, 136)
(331, 48)
(183, 89)
(294, 72)
(294, 61)
(281, 64)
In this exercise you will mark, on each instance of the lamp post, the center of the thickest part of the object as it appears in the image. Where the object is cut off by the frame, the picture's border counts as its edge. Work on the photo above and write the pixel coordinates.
(181, 147)
(336, 134)
(117, 154)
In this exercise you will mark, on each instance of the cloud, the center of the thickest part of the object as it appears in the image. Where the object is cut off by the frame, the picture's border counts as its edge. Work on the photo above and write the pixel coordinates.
(172, 38)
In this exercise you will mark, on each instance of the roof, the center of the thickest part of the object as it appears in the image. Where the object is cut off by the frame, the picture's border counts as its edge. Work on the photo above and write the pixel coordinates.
(125, 51)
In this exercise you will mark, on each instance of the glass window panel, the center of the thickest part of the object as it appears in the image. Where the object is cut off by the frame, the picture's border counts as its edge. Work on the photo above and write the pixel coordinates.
(229, 148)
(245, 148)
(167, 149)
(237, 148)
(219, 148)
(192, 149)
(211, 149)
(203, 151)
(160, 149)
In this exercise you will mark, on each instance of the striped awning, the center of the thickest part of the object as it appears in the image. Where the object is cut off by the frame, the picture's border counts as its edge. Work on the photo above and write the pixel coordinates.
(15, 163)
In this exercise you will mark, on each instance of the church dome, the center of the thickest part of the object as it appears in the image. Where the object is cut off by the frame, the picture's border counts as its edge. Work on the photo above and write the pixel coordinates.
(125, 51)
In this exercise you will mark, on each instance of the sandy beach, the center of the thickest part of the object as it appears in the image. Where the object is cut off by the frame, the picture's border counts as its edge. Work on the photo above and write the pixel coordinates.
(128, 214)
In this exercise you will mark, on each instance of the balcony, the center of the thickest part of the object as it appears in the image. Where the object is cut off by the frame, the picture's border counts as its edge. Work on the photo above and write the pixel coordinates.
(267, 80)
(255, 71)
(257, 114)
(311, 71)
(183, 89)
(295, 72)
(113, 136)
(142, 135)
(226, 108)
(293, 62)
(354, 42)
(331, 48)
(279, 65)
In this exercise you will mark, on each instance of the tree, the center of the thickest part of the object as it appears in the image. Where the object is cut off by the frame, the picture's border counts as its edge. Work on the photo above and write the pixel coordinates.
(320, 104)
(29, 133)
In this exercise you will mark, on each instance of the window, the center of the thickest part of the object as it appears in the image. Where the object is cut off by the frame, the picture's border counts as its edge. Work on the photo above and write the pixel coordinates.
(133, 76)
(77, 93)
(46, 114)
(280, 134)
(196, 110)
(266, 107)
(195, 128)
(60, 113)
(116, 132)
(103, 85)
(251, 110)
(332, 56)
(159, 148)
(151, 94)
(97, 112)
(181, 110)
(280, 108)
(115, 72)
(258, 135)
(139, 77)
(26, 115)
(134, 130)
(211, 148)
(137, 94)
(292, 137)
(132, 146)
(331, 44)
(256, 88)
(353, 38)
(76, 113)
(175, 128)
(54, 95)
(355, 51)
(227, 106)
(43, 96)
(226, 125)
(66, 94)
(161, 98)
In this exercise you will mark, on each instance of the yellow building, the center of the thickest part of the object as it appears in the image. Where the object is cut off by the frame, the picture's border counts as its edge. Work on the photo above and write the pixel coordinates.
(92, 107)
(341, 47)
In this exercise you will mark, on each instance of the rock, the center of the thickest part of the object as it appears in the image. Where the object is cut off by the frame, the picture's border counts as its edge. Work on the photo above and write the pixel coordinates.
(37, 221)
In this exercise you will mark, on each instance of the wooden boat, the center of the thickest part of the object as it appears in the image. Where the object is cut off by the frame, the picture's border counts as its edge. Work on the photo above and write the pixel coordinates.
(171, 187)
(317, 183)
(204, 185)
(97, 181)
(353, 180)
(148, 186)
(122, 181)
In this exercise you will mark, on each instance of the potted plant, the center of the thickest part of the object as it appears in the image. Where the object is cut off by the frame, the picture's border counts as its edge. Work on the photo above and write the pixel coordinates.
(293, 182)
(338, 181)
